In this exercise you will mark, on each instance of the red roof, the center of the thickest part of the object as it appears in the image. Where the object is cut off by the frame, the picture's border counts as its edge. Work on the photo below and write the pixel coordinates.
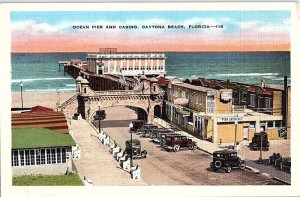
(37, 118)
(41, 109)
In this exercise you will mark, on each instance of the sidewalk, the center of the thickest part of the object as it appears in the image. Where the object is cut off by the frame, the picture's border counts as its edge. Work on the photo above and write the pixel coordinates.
(209, 147)
(96, 162)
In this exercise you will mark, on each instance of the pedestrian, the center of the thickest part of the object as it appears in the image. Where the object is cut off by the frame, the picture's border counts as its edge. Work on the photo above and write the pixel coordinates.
(220, 141)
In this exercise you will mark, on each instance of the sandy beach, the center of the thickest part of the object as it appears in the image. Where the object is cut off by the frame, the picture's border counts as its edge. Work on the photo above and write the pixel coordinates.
(46, 99)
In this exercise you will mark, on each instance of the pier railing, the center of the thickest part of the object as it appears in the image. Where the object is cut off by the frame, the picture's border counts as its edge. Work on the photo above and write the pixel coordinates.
(67, 102)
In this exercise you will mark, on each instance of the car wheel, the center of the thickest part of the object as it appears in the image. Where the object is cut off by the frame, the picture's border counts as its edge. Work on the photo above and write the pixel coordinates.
(194, 147)
(228, 169)
(242, 165)
(176, 148)
(218, 164)
(144, 153)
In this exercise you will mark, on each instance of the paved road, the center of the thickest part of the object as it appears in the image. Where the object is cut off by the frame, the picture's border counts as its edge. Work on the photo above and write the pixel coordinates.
(187, 167)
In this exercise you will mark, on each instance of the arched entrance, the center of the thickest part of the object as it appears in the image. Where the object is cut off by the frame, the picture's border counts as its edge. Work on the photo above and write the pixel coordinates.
(118, 116)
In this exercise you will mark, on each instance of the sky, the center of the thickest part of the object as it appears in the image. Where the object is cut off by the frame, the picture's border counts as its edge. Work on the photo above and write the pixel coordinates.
(50, 31)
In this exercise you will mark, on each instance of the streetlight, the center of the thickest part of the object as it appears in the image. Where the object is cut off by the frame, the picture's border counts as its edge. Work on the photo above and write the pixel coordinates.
(21, 86)
(260, 160)
(131, 156)
(99, 118)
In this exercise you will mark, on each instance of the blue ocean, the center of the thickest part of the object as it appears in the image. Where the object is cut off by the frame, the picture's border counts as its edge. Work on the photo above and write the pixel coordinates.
(40, 72)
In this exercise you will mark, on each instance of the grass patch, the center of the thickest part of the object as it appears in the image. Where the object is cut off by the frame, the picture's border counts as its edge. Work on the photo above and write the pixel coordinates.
(48, 180)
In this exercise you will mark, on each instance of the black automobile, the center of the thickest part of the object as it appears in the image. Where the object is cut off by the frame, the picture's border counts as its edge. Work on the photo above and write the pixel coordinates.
(146, 128)
(137, 151)
(285, 164)
(226, 160)
(260, 140)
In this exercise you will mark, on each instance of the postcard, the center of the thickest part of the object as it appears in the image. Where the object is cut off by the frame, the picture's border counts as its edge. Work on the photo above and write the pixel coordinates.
(186, 99)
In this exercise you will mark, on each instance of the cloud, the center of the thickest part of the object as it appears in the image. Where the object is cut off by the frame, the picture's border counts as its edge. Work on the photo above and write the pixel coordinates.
(35, 28)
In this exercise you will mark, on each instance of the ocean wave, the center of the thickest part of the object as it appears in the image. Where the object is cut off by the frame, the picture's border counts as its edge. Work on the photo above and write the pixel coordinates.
(39, 79)
(247, 74)
(51, 90)
(71, 85)
(171, 77)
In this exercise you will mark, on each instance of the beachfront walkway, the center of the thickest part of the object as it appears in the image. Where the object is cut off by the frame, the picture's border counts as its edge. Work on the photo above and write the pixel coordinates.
(96, 162)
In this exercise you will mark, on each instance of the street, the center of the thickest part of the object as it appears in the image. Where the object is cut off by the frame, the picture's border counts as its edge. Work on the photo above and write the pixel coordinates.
(186, 167)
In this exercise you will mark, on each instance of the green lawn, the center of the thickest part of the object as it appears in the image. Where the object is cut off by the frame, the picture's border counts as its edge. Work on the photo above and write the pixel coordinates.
(48, 180)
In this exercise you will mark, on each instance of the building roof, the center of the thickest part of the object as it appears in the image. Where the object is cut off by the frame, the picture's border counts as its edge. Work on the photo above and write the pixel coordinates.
(193, 87)
(39, 138)
(41, 119)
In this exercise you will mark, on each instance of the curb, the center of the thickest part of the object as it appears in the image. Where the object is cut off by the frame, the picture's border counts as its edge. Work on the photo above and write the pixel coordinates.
(282, 181)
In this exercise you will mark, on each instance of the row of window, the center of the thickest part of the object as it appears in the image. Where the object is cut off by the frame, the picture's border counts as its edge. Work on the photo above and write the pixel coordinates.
(187, 96)
(143, 68)
(38, 156)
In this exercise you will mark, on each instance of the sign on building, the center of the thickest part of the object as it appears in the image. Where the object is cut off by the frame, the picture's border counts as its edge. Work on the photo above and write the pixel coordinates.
(226, 96)
(230, 119)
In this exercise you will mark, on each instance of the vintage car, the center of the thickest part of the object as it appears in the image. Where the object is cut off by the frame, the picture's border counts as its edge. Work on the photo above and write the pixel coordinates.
(146, 128)
(226, 160)
(177, 142)
(136, 150)
(285, 165)
(275, 159)
(136, 124)
(162, 138)
(155, 132)
(260, 140)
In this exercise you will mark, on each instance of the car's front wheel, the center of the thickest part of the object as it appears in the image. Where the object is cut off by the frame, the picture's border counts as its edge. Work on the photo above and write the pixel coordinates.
(228, 169)
(242, 165)
(176, 148)
(218, 164)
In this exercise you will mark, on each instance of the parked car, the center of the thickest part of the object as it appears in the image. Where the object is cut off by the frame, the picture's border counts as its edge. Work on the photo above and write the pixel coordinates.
(177, 142)
(260, 140)
(285, 164)
(155, 132)
(162, 138)
(137, 151)
(144, 128)
(136, 124)
(275, 159)
(226, 160)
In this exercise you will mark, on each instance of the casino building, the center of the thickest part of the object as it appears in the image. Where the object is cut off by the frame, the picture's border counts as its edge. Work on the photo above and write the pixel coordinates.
(226, 111)
(108, 61)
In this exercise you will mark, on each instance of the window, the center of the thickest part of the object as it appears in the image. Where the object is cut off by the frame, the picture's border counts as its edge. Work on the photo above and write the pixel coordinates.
(22, 157)
(200, 100)
(244, 97)
(252, 100)
(58, 151)
(32, 157)
(48, 156)
(278, 123)
(270, 124)
(27, 158)
(15, 158)
(64, 157)
(268, 103)
(38, 156)
(43, 156)
(53, 156)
